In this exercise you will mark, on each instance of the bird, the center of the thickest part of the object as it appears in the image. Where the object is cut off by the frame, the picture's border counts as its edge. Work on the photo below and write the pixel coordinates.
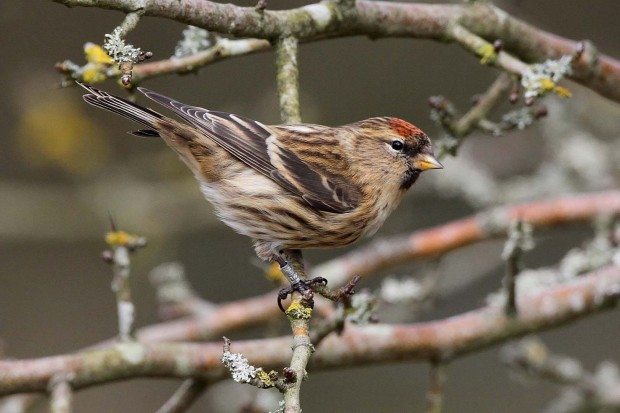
(288, 187)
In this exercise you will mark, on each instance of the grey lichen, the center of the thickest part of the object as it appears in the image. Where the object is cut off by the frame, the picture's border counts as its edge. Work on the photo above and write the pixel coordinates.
(363, 308)
(194, 40)
(399, 291)
(520, 118)
(542, 78)
(240, 369)
(120, 51)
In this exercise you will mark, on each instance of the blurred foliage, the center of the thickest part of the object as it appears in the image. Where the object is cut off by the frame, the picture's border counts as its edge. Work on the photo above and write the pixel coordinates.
(55, 133)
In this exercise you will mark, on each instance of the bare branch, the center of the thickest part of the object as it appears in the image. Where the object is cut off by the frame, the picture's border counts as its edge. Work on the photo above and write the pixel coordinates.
(389, 252)
(61, 395)
(443, 339)
(434, 396)
(383, 19)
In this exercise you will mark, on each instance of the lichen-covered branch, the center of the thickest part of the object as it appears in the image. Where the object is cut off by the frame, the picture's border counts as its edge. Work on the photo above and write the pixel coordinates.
(389, 252)
(488, 53)
(443, 112)
(287, 77)
(441, 339)
(222, 49)
(121, 244)
(383, 19)
(583, 390)
(299, 313)
(433, 242)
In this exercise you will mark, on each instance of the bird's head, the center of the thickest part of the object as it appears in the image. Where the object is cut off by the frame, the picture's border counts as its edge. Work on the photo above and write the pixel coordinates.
(394, 148)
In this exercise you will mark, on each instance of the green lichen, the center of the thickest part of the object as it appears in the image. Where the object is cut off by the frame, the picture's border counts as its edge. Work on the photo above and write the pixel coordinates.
(487, 53)
(299, 311)
(264, 377)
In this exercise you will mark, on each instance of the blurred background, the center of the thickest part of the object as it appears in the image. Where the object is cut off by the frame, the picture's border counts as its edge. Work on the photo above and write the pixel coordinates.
(64, 165)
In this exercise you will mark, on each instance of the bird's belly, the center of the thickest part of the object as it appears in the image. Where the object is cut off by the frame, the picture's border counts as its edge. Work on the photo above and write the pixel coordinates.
(263, 210)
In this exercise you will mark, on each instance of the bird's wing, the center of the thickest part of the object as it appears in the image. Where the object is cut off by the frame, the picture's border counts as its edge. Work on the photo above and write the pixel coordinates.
(316, 170)
(256, 145)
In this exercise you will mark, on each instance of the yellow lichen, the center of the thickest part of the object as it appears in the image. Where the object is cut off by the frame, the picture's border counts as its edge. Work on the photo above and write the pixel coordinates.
(96, 54)
(119, 238)
(299, 311)
(562, 92)
(93, 73)
(263, 376)
(487, 54)
(273, 273)
(547, 85)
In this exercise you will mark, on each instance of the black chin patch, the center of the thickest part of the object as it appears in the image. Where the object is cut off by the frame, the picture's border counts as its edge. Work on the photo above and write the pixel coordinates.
(410, 177)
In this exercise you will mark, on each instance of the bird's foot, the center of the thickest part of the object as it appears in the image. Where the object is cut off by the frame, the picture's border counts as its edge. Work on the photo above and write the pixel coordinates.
(304, 288)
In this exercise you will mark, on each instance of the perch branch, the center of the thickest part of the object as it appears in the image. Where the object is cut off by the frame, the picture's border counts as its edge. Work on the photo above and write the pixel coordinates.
(385, 253)
(489, 224)
(441, 339)
(299, 313)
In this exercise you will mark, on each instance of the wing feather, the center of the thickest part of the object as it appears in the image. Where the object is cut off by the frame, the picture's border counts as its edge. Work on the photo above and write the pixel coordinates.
(257, 146)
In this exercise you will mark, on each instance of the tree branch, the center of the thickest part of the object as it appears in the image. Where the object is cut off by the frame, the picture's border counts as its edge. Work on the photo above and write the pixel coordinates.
(287, 76)
(223, 48)
(382, 19)
(385, 253)
(442, 339)
(433, 242)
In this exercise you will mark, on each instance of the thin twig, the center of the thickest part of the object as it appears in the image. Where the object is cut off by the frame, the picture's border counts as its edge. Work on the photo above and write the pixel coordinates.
(437, 381)
(61, 395)
(519, 240)
(487, 51)
(122, 244)
(184, 397)
(487, 101)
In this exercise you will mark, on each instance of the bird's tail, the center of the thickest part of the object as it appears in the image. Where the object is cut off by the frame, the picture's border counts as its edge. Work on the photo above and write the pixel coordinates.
(123, 107)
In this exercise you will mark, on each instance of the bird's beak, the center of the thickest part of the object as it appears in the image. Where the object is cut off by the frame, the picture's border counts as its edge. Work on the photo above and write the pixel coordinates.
(425, 161)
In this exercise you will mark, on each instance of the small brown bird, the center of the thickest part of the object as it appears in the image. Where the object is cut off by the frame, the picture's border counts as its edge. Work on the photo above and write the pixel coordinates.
(288, 187)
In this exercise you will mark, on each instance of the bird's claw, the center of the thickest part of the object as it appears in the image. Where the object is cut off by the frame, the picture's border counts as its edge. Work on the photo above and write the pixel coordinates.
(302, 287)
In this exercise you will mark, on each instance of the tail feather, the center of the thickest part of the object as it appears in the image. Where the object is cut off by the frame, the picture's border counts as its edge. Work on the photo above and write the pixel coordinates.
(145, 133)
(123, 107)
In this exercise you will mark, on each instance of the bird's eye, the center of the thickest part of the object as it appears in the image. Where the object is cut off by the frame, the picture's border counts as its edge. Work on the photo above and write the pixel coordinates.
(398, 145)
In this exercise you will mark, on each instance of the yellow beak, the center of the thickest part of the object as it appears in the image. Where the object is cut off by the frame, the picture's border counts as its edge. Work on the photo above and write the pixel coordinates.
(426, 161)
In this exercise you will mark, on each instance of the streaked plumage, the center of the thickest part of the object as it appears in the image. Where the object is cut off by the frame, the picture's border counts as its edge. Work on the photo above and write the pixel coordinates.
(288, 186)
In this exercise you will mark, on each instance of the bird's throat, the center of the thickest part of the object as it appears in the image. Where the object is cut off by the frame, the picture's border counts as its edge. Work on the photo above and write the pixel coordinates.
(409, 178)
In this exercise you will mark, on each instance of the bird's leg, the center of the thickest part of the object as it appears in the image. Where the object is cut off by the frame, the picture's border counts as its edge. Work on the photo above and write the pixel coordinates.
(291, 265)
